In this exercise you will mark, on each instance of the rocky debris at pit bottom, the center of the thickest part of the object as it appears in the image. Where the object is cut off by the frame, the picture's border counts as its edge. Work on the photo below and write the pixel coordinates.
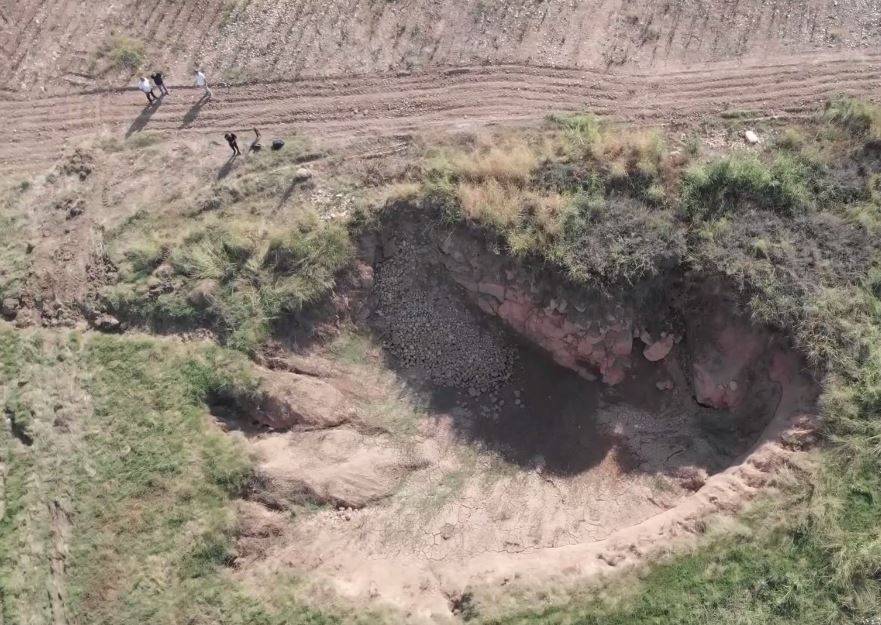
(429, 329)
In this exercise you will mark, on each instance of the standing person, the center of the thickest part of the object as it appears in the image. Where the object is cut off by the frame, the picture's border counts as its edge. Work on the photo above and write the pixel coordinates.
(201, 81)
(159, 80)
(147, 88)
(233, 143)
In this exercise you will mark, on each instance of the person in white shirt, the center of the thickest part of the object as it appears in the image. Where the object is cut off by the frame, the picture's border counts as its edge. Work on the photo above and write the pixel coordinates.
(145, 86)
(201, 81)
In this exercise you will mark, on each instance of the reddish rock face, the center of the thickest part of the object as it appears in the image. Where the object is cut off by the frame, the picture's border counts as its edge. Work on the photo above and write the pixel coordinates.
(613, 375)
(514, 313)
(596, 339)
(622, 343)
(726, 352)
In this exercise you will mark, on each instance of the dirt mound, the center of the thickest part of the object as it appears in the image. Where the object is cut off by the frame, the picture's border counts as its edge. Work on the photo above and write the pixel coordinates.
(340, 467)
(284, 401)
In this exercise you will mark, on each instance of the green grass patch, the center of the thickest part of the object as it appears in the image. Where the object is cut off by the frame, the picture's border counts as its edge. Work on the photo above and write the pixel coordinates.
(235, 275)
(728, 184)
(858, 117)
(14, 261)
(147, 479)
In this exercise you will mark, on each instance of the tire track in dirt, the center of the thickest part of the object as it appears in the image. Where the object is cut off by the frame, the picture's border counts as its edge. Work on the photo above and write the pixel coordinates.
(340, 110)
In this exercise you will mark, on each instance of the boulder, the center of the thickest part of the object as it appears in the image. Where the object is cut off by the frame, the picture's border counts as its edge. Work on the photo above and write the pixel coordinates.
(107, 323)
(664, 385)
(659, 349)
(613, 375)
(9, 308)
(302, 175)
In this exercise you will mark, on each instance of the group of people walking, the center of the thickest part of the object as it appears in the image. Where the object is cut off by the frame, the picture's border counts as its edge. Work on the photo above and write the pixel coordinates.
(157, 81)
(148, 85)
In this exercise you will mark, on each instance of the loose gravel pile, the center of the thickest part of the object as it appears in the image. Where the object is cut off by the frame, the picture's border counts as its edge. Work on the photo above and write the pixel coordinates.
(427, 327)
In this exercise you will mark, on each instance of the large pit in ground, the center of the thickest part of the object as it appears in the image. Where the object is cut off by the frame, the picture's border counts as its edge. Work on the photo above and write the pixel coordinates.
(549, 430)
(668, 377)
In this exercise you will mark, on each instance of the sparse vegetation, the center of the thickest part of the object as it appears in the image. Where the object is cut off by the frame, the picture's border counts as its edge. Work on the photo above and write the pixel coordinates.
(592, 199)
(124, 54)
(13, 249)
(860, 118)
(238, 276)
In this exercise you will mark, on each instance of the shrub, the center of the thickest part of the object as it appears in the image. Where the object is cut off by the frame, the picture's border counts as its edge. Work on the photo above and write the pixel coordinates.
(582, 133)
(724, 185)
(792, 139)
(303, 263)
(491, 203)
(858, 117)
(510, 161)
(126, 54)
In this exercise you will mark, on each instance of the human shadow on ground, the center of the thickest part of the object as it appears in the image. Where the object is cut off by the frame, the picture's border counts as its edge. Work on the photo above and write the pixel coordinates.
(193, 113)
(141, 121)
(223, 172)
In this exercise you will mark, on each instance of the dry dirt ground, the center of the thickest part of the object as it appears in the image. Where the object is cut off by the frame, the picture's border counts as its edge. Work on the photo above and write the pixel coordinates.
(52, 44)
(380, 69)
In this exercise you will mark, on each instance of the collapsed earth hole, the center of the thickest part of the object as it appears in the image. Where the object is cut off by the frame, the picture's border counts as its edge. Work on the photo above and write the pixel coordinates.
(668, 377)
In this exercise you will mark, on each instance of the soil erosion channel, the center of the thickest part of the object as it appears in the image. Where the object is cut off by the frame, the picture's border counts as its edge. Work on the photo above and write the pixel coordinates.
(562, 431)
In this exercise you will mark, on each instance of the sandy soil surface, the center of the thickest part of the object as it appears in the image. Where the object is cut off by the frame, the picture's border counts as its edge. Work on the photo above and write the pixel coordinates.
(53, 44)
(342, 111)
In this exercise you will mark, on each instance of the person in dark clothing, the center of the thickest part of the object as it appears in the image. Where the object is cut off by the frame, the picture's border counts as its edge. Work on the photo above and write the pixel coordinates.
(233, 143)
(159, 81)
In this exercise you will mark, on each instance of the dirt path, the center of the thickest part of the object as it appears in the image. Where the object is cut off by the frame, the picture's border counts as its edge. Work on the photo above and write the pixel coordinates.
(342, 111)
